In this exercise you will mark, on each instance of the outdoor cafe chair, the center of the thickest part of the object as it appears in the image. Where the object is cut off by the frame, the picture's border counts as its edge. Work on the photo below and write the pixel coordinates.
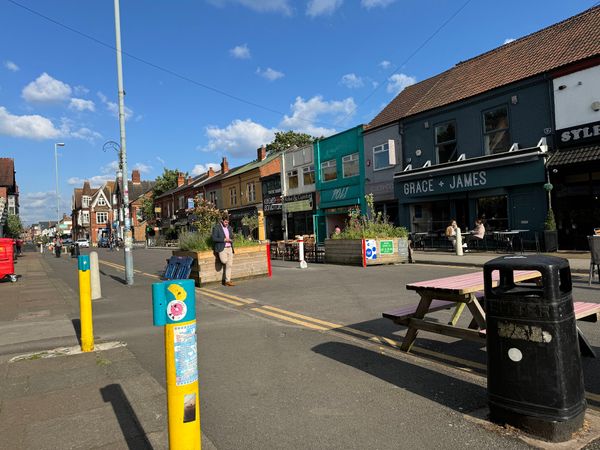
(594, 243)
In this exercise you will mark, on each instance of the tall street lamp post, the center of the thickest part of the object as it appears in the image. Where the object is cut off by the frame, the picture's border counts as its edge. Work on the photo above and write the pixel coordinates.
(56, 145)
(125, 189)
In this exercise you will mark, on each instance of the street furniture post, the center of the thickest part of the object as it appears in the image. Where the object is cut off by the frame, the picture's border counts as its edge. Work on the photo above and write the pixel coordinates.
(459, 245)
(174, 307)
(85, 304)
(303, 264)
(95, 276)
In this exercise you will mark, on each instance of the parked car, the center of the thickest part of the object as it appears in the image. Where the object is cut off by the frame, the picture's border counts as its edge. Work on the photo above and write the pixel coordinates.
(83, 243)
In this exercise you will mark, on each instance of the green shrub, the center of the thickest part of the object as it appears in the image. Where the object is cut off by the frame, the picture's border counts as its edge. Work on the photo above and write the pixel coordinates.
(550, 223)
(193, 241)
(371, 226)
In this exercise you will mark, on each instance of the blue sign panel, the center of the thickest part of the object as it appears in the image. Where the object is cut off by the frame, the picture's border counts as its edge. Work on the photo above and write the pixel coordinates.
(173, 302)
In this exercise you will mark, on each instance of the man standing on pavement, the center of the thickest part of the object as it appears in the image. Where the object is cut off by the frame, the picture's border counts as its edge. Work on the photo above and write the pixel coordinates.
(222, 237)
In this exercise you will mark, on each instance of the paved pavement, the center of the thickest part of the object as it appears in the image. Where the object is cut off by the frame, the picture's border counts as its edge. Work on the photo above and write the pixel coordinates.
(299, 360)
(54, 397)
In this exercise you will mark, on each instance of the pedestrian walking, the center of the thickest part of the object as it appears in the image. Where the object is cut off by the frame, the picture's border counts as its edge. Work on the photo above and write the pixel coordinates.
(222, 237)
(57, 246)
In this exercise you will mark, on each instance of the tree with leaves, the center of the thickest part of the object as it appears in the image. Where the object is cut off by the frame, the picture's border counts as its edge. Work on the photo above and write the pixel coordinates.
(165, 182)
(13, 227)
(288, 139)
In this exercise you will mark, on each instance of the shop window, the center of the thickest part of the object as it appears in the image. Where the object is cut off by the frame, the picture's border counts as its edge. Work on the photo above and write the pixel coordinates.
(381, 157)
(445, 142)
(496, 134)
(350, 165)
(308, 175)
(213, 198)
(329, 170)
(494, 212)
(181, 201)
(292, 179)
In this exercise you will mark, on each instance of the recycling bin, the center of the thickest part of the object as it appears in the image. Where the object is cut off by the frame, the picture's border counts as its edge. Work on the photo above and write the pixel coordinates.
(535, 377)
(7, 261)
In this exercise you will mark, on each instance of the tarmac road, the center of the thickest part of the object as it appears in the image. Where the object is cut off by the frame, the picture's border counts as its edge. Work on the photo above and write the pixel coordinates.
(276, 369)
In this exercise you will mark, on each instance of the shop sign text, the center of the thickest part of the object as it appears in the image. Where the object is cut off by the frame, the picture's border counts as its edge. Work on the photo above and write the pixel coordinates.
(580, 133)
(451, 183)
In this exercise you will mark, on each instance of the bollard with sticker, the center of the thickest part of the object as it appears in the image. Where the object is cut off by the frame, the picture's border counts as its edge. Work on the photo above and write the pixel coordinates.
(174, 307)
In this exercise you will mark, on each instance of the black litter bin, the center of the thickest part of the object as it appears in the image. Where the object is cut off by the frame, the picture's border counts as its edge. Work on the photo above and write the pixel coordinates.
(535, 379)
(74, 250)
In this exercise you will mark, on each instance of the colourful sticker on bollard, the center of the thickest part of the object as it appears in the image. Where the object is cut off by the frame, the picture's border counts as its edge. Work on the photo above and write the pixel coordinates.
(176, 310)
(186, 356)
(189, 408)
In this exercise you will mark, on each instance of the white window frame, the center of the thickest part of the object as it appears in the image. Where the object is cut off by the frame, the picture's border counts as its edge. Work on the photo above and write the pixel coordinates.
(306, 170)
(101, 214)
(101, 201)
(251, 189)
(291, 174)
(350, 158)
(383, 148)
(326, 165)
(85, 219)
(85, 201)
(233, 196)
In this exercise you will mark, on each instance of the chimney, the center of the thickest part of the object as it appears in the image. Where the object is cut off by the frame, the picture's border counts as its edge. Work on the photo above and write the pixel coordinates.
(189, 180)
(135, 177)
(180, 179)
(211, 172)
(261, 153)
(224, 165)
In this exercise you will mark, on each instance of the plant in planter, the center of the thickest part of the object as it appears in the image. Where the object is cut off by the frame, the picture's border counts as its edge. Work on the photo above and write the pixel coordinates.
(250, 258)
(550, 233)
(367, 239)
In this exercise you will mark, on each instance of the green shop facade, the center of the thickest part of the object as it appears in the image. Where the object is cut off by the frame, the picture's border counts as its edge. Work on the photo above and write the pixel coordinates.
(339, 179)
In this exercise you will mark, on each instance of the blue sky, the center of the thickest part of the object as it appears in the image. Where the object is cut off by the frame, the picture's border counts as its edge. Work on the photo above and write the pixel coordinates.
(213, 78)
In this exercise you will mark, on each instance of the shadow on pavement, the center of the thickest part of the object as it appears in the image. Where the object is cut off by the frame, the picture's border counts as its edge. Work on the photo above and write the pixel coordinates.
(451, 392)
(77, 327)
(130, 426)
(114, 277)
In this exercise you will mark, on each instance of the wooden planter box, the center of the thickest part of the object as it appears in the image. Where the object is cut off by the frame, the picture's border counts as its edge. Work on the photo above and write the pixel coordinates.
(366, 252)
(248, 262)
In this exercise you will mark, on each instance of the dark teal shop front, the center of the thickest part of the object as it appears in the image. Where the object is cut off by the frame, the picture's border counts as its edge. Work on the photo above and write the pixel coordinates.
(506, 190)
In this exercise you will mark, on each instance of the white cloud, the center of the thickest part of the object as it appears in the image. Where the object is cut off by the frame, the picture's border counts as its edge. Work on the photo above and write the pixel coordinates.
(399, 81)
(111, 167)
(143, 168)
(199, 169)
(385, 64)
(368, 4)
(38, 206)
(240, 138)
(240, 52)
(305, 114)
(322, 7)
(28, 126)
(281, 6)
(270, 74)
(160, 160)
(95, 181)
(80, 90)
(351, 80)
(508, 41)
(113, 107)
(79, 104)
(11, 66)
(46, 89)
(86, 134)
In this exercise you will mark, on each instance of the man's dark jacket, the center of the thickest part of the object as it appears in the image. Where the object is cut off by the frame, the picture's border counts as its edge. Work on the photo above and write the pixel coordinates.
(218, 237)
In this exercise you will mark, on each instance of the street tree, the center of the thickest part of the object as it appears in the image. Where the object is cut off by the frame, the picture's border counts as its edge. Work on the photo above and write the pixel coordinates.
(288, 139)
(13, 227)
(165, 182)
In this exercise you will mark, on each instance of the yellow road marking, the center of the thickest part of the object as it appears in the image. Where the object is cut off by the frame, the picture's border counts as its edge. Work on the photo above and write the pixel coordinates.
(232, 302)
(122, 268)
(232, 297)
(289, 319)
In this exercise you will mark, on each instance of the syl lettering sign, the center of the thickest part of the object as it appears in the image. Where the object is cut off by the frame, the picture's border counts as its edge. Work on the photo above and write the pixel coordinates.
(339, 193)
(449, 183)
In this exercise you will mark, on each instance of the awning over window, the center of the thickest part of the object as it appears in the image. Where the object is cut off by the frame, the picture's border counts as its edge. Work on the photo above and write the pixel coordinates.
(577, 155)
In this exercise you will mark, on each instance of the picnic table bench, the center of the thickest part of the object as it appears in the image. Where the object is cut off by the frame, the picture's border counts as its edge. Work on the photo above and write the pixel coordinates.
(178, 268)
(462, 291)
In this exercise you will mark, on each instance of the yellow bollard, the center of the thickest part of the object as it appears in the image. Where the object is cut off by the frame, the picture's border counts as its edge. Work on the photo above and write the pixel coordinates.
(85, 304)
(174, 306)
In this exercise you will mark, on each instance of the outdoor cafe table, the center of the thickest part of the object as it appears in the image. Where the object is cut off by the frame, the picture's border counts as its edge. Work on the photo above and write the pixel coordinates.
(463, 290)
(508, 238)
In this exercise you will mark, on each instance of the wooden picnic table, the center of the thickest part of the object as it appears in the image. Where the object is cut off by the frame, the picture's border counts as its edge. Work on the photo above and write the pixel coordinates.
(460, 290)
